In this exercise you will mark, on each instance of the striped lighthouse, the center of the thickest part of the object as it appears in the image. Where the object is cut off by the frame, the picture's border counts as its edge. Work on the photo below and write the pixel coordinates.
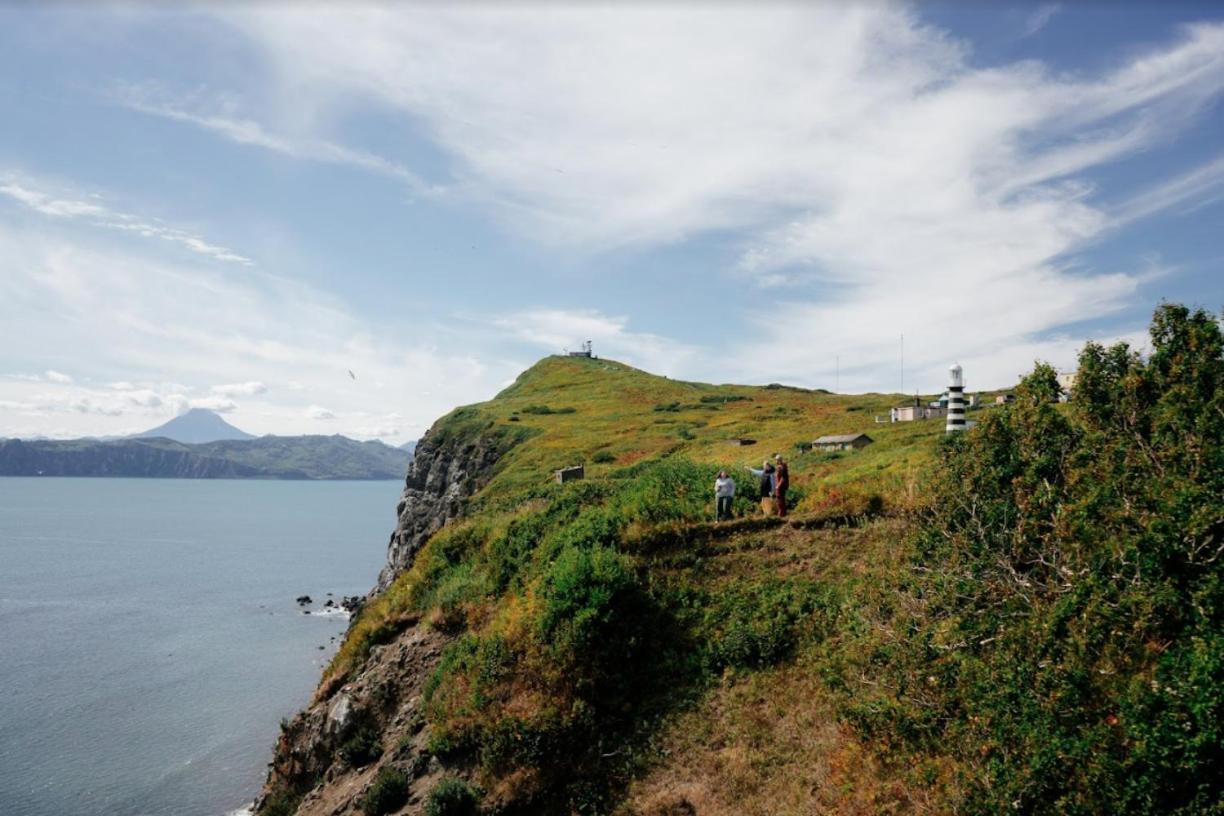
(956, 400)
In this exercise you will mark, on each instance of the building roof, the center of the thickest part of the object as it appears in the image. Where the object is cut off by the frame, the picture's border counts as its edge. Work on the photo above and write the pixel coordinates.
(840, 438)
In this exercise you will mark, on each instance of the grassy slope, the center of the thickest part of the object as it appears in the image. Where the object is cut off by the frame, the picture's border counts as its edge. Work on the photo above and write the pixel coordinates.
(614, 412)
(765, 757)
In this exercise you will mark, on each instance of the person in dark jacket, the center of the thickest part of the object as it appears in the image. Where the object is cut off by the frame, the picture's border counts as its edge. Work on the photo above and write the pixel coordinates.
(766, 477)
(781, 483)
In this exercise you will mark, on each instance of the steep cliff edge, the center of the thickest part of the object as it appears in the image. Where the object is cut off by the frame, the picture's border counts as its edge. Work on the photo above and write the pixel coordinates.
(446, 470)
(328, 757)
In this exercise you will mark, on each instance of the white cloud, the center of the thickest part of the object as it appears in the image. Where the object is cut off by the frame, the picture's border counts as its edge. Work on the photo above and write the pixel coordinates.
(152, 330)
(144, 397)
(23, 191)
(319, 412)
(854, 147)
(555, 330)
(1196, 188)
(155, 101)
(1039, 18)
(222, 405)
(246, 389)
(57, 377)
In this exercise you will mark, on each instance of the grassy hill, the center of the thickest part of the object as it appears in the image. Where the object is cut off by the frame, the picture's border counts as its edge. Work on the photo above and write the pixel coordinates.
(608, 415)
(1024, 618)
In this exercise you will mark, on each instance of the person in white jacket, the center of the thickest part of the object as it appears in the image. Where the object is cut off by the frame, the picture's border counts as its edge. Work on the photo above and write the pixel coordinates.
(724, 493)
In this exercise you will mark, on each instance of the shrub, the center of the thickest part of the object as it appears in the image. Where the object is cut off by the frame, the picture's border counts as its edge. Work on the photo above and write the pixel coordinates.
(1070, 561)
(758, 626)
(581, 594)
(387, 794)
(545, 410)
(363, 747)
(280, 802)
(453, 797)
(604, 458)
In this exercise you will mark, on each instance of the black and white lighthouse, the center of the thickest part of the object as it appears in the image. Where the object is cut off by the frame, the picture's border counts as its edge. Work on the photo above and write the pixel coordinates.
(956, 400)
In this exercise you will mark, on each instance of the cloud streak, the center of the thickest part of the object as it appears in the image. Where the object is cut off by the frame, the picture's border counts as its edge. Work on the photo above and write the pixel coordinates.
(26, 192)
(249, 132)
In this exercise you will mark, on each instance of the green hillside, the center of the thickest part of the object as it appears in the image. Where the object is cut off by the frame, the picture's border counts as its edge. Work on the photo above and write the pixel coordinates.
(1025, 618)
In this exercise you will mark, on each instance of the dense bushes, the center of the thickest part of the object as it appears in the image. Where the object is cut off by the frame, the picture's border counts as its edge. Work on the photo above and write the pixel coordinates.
(1071, 560)
(453, 797)
(758, 625)
(387, 794)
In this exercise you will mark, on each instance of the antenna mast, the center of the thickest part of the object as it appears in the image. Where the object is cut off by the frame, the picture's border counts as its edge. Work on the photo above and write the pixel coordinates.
(903, 364)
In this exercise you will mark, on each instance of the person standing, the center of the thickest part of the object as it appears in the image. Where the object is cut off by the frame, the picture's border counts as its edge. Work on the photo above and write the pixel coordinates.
(766, 477)
(781, 483)
(724, 493)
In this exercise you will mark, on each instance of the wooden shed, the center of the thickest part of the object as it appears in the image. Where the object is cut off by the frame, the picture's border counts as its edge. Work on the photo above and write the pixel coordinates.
(842, 442)
(570, 474)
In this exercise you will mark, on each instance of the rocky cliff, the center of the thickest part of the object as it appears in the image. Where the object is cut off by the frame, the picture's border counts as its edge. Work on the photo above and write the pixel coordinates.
(329, 756)
(445, 471)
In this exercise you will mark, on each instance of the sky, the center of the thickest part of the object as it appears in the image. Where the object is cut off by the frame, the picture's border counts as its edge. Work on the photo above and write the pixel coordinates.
(351, 222)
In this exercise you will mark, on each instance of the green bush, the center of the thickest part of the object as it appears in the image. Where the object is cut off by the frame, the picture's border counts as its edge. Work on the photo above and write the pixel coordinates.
(604, 458)
(387, 794)
(280, 802)
(758, 626)
(453, 797)
(545, 410)
(363, 747)
(1070, 564)
(581, 595)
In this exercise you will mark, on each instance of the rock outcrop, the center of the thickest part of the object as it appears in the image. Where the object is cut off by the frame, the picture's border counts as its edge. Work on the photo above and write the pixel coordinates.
(331, 753)
(444, 473)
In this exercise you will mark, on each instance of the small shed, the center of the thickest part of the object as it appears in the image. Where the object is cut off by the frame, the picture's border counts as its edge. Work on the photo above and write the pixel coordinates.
(1003, 399)
(570, 474)
(842, 442)
(910, 413)
(743, 441)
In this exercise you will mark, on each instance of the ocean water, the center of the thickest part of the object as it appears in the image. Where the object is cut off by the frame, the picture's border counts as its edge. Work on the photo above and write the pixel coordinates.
(149, 638)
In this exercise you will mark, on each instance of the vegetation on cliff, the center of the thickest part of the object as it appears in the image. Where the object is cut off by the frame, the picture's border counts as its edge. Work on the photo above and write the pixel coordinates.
(1023, 618)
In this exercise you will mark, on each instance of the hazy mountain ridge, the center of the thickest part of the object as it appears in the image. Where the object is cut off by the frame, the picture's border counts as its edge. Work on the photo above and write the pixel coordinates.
(267, 457)
(196, 426)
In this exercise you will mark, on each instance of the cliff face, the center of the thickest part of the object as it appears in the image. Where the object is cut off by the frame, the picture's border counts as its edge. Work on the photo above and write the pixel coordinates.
(444, 473)
(329, 755)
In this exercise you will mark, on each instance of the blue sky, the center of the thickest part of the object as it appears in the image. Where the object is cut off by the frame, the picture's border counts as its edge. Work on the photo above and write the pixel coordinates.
(232, 206)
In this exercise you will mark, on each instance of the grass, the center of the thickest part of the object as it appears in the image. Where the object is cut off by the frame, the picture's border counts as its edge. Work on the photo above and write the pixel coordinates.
(612, 427)
(613, 647)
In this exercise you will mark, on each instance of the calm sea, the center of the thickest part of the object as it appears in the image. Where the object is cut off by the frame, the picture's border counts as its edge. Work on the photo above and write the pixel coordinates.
(149, 638)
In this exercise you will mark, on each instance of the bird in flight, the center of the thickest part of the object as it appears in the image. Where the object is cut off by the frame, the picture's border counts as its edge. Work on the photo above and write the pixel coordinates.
(351, 374)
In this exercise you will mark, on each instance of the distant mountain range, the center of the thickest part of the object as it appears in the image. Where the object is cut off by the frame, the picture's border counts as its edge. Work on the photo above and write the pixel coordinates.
(268, 457)
(201, 445)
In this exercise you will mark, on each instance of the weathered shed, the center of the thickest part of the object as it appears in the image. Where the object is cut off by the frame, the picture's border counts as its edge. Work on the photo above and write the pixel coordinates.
(842, 442)
(909, 413)
(570, 474)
